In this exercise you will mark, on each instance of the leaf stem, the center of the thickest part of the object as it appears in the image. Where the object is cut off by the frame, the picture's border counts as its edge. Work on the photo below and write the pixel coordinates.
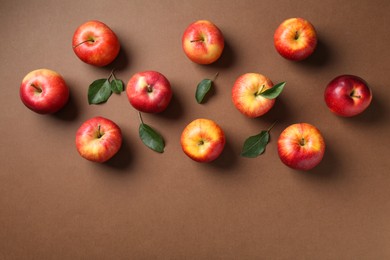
(140, 118)
(215, 76)
(269, 129)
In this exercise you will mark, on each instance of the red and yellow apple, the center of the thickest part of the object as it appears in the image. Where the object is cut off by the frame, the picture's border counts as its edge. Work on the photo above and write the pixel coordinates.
(295, 39)
(95, 43)
(246, 94)
(202, 140)
(203, 42)
(301, 146)
(348, 95)
(149, 91)
(44, 91)
(98, 139)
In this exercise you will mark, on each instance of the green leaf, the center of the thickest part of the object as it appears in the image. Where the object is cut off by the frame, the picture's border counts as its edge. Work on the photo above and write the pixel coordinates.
(151, 138)
(255, 145)
(116, 86)
(202, 89)
(273, 92)
(99, 91)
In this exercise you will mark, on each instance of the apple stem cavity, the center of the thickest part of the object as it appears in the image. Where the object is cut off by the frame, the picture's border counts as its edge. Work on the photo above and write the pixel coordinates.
(296, 35)
(39, 90)
(89, 40)
(302, 142)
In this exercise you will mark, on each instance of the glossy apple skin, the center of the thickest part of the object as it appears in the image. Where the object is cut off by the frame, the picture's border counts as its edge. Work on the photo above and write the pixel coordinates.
(295, 39)
(98, 139)
(149, 92)
(203, 42)
(348, 95)
(245, 97)
(101, 45)
(301, 146)
(44, 91)
(203, 140)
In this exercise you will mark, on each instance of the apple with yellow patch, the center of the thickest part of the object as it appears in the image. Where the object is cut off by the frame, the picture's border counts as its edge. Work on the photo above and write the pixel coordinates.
(203, 140)
(203, 42)
(247, 94)
(301, 146)
(295, 39)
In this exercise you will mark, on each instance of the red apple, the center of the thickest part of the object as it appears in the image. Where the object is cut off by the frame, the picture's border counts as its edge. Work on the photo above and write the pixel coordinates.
(246, 94)
(301, 146)
(203, 42)
(44, 91)
(295, 39)
(98, 139)
(149, 92)
(348, 95)
(95, 43)
(202, 140)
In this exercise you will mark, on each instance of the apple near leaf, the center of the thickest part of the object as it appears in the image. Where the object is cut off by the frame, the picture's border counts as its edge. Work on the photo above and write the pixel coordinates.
(95, 43)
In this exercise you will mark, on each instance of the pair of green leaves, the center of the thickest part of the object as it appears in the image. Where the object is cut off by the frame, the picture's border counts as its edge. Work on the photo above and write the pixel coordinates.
(101, 89)
(255, 145)
(150, 137)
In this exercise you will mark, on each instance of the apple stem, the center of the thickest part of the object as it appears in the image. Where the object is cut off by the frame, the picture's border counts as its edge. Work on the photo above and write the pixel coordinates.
(36, 87)
(353, 95)
(99, 134)
(269, 129)
(302, 142)
(89, 40)
(296, 35)
(260, 90)
(199, 40)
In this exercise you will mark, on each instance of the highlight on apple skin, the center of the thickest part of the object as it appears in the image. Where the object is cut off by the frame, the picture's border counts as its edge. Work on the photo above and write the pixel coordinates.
(295, 39)
(203, 42)
(348, 95)
(95, 43)
(301, 146)
(44, 91)
(203, 140)
(98, 139)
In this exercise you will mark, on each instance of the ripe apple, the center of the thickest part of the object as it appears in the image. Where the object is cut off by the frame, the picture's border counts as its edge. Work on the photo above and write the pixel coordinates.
(95, 43)
(203, 42)
(202, 140)
(44, 91)
(301, 146)
(98, 139)
(149, 91)
(295, 39)
(348, 95)
(246, 94)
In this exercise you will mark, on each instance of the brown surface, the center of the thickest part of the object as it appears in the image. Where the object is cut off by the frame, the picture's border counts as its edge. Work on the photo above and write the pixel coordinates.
(144, 205)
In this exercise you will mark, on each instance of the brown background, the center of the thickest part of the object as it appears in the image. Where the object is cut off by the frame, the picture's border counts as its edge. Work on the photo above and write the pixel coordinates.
(144, 205)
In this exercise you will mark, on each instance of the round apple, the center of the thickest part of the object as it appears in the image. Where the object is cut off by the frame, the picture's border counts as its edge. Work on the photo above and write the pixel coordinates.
(348, 95)
(149, 92)
(301, 146)
(44, 91)
(246, 94)
(295, 39)
(98, 139)
(203, 42)
(202, 140)
(95, 43)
